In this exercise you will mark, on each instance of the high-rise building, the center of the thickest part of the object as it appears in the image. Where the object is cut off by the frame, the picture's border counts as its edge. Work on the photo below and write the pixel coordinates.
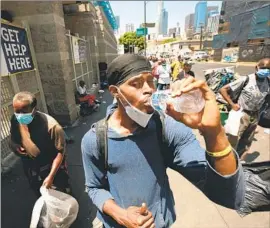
(212, 25)
(243, 24)
(189, 22)
(165, 22)
(117, 19)
(178, 30)
(212, 9)
(129, 27)
(172, 31)
(162, 20)
(200, 18)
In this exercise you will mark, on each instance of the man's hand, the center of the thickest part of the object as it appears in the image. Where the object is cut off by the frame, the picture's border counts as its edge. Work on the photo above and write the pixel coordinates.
(48, 182)
(208, 118)
(235, 107)
(139, 217)
(21, 150)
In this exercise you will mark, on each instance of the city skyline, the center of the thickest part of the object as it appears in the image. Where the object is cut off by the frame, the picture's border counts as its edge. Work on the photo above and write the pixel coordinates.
(177, 12)
(130, 27)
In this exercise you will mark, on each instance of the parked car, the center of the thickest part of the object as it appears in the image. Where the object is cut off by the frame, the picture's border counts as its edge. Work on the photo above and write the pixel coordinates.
(200, 55)
(186, 56)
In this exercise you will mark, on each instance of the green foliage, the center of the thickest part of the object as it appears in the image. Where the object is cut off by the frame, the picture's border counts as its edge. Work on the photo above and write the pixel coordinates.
(130, 38)
(168, 40)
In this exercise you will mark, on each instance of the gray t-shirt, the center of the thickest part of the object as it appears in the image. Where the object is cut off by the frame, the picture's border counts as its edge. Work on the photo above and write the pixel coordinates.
(253, 94)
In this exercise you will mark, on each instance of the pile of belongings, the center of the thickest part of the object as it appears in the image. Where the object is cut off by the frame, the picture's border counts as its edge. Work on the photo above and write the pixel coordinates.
(219, 77)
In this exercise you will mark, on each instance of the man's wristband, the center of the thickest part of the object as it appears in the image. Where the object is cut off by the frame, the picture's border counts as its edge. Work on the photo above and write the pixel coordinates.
(222, 153)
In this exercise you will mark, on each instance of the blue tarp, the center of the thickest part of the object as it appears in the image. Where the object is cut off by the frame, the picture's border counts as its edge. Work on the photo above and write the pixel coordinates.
(244, 26)
(219, 41)
(260, 23)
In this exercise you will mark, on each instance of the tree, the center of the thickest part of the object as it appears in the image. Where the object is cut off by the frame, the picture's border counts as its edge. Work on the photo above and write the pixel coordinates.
(130, 38)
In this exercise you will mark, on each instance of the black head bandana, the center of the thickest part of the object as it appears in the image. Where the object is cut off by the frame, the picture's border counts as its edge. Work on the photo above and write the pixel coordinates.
(125, 67)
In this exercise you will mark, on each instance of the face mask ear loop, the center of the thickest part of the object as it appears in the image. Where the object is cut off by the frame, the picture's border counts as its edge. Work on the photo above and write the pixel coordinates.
(123, 98)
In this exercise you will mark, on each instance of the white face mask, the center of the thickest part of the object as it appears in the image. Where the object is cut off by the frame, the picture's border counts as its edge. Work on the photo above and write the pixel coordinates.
(135, 114)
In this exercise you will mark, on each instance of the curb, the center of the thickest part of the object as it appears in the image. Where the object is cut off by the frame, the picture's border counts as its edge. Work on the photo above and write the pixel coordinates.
(235, 64)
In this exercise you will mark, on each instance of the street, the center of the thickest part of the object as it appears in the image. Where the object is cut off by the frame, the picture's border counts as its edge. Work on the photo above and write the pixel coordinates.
(199, 67)
(193, 209)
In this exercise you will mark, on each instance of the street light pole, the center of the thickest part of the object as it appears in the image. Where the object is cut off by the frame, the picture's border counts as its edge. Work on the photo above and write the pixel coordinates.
(145, 28)
(201, 36)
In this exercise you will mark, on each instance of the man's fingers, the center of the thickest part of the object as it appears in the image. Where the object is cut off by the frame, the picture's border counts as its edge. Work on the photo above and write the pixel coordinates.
(143, 209)
(20, 151)
(143, 218)
(171, 112)
(149, 223)
(192, 86)
(179, 85)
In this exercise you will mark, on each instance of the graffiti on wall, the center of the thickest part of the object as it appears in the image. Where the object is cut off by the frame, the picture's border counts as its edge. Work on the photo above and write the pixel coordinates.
(254, 53)
(230, 55)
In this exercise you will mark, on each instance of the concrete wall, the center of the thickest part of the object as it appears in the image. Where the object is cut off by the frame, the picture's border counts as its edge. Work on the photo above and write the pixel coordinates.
(106, 38)
(84, 23)
(46, 22)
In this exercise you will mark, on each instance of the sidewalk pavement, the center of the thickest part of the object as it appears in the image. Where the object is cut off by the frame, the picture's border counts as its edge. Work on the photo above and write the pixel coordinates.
(193, 209)
(233, 64)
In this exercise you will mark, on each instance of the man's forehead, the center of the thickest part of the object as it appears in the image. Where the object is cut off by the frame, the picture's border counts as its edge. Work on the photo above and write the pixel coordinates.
(142, 75)
(264, 63)
(20, 104)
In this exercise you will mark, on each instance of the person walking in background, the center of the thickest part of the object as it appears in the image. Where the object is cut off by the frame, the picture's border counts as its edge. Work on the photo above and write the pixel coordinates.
(176, 66)
(163, 72)
(252, 91)
(154, 67)
(40, 142)
(186, 72)
(151, 60)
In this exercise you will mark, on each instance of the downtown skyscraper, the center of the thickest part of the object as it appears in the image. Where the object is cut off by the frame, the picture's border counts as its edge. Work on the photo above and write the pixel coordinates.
(162, 20)
(200, 17)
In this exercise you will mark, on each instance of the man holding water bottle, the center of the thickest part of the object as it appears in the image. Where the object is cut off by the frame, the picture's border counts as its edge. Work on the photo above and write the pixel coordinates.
(133, 172)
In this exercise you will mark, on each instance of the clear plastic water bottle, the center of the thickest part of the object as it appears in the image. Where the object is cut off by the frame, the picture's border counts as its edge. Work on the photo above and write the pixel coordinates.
(191, 102)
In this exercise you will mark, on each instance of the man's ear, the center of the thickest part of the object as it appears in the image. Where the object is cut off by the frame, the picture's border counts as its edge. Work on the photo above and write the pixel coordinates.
(34, 111)
(114, 91)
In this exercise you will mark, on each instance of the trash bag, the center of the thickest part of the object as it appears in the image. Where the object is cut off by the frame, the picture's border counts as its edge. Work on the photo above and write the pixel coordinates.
(232, 124)
(219, 77)
(54, 209)
(257, 195)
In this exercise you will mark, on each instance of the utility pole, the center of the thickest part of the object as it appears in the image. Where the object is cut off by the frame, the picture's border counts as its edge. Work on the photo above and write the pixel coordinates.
(201, 37)
(145, 28)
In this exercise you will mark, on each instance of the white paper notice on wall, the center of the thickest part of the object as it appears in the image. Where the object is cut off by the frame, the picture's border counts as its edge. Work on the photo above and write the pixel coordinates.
(75, 47)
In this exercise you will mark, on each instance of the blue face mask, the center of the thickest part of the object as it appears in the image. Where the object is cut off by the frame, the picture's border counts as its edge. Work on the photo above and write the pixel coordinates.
(263, 73)
(24, 118)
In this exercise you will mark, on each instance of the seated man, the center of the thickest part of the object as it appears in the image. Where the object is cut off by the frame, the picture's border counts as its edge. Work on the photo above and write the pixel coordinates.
(84, 96)
(40, 142)
(128, 183)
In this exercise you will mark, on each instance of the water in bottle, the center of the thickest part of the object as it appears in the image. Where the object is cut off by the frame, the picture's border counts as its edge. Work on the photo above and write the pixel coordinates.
(191, 102)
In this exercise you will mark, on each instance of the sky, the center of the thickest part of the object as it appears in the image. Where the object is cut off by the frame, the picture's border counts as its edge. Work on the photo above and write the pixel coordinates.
(133, 12)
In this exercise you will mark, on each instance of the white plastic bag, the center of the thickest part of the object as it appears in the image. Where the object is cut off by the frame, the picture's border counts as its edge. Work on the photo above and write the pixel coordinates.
(54, 209)
(232, 124)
